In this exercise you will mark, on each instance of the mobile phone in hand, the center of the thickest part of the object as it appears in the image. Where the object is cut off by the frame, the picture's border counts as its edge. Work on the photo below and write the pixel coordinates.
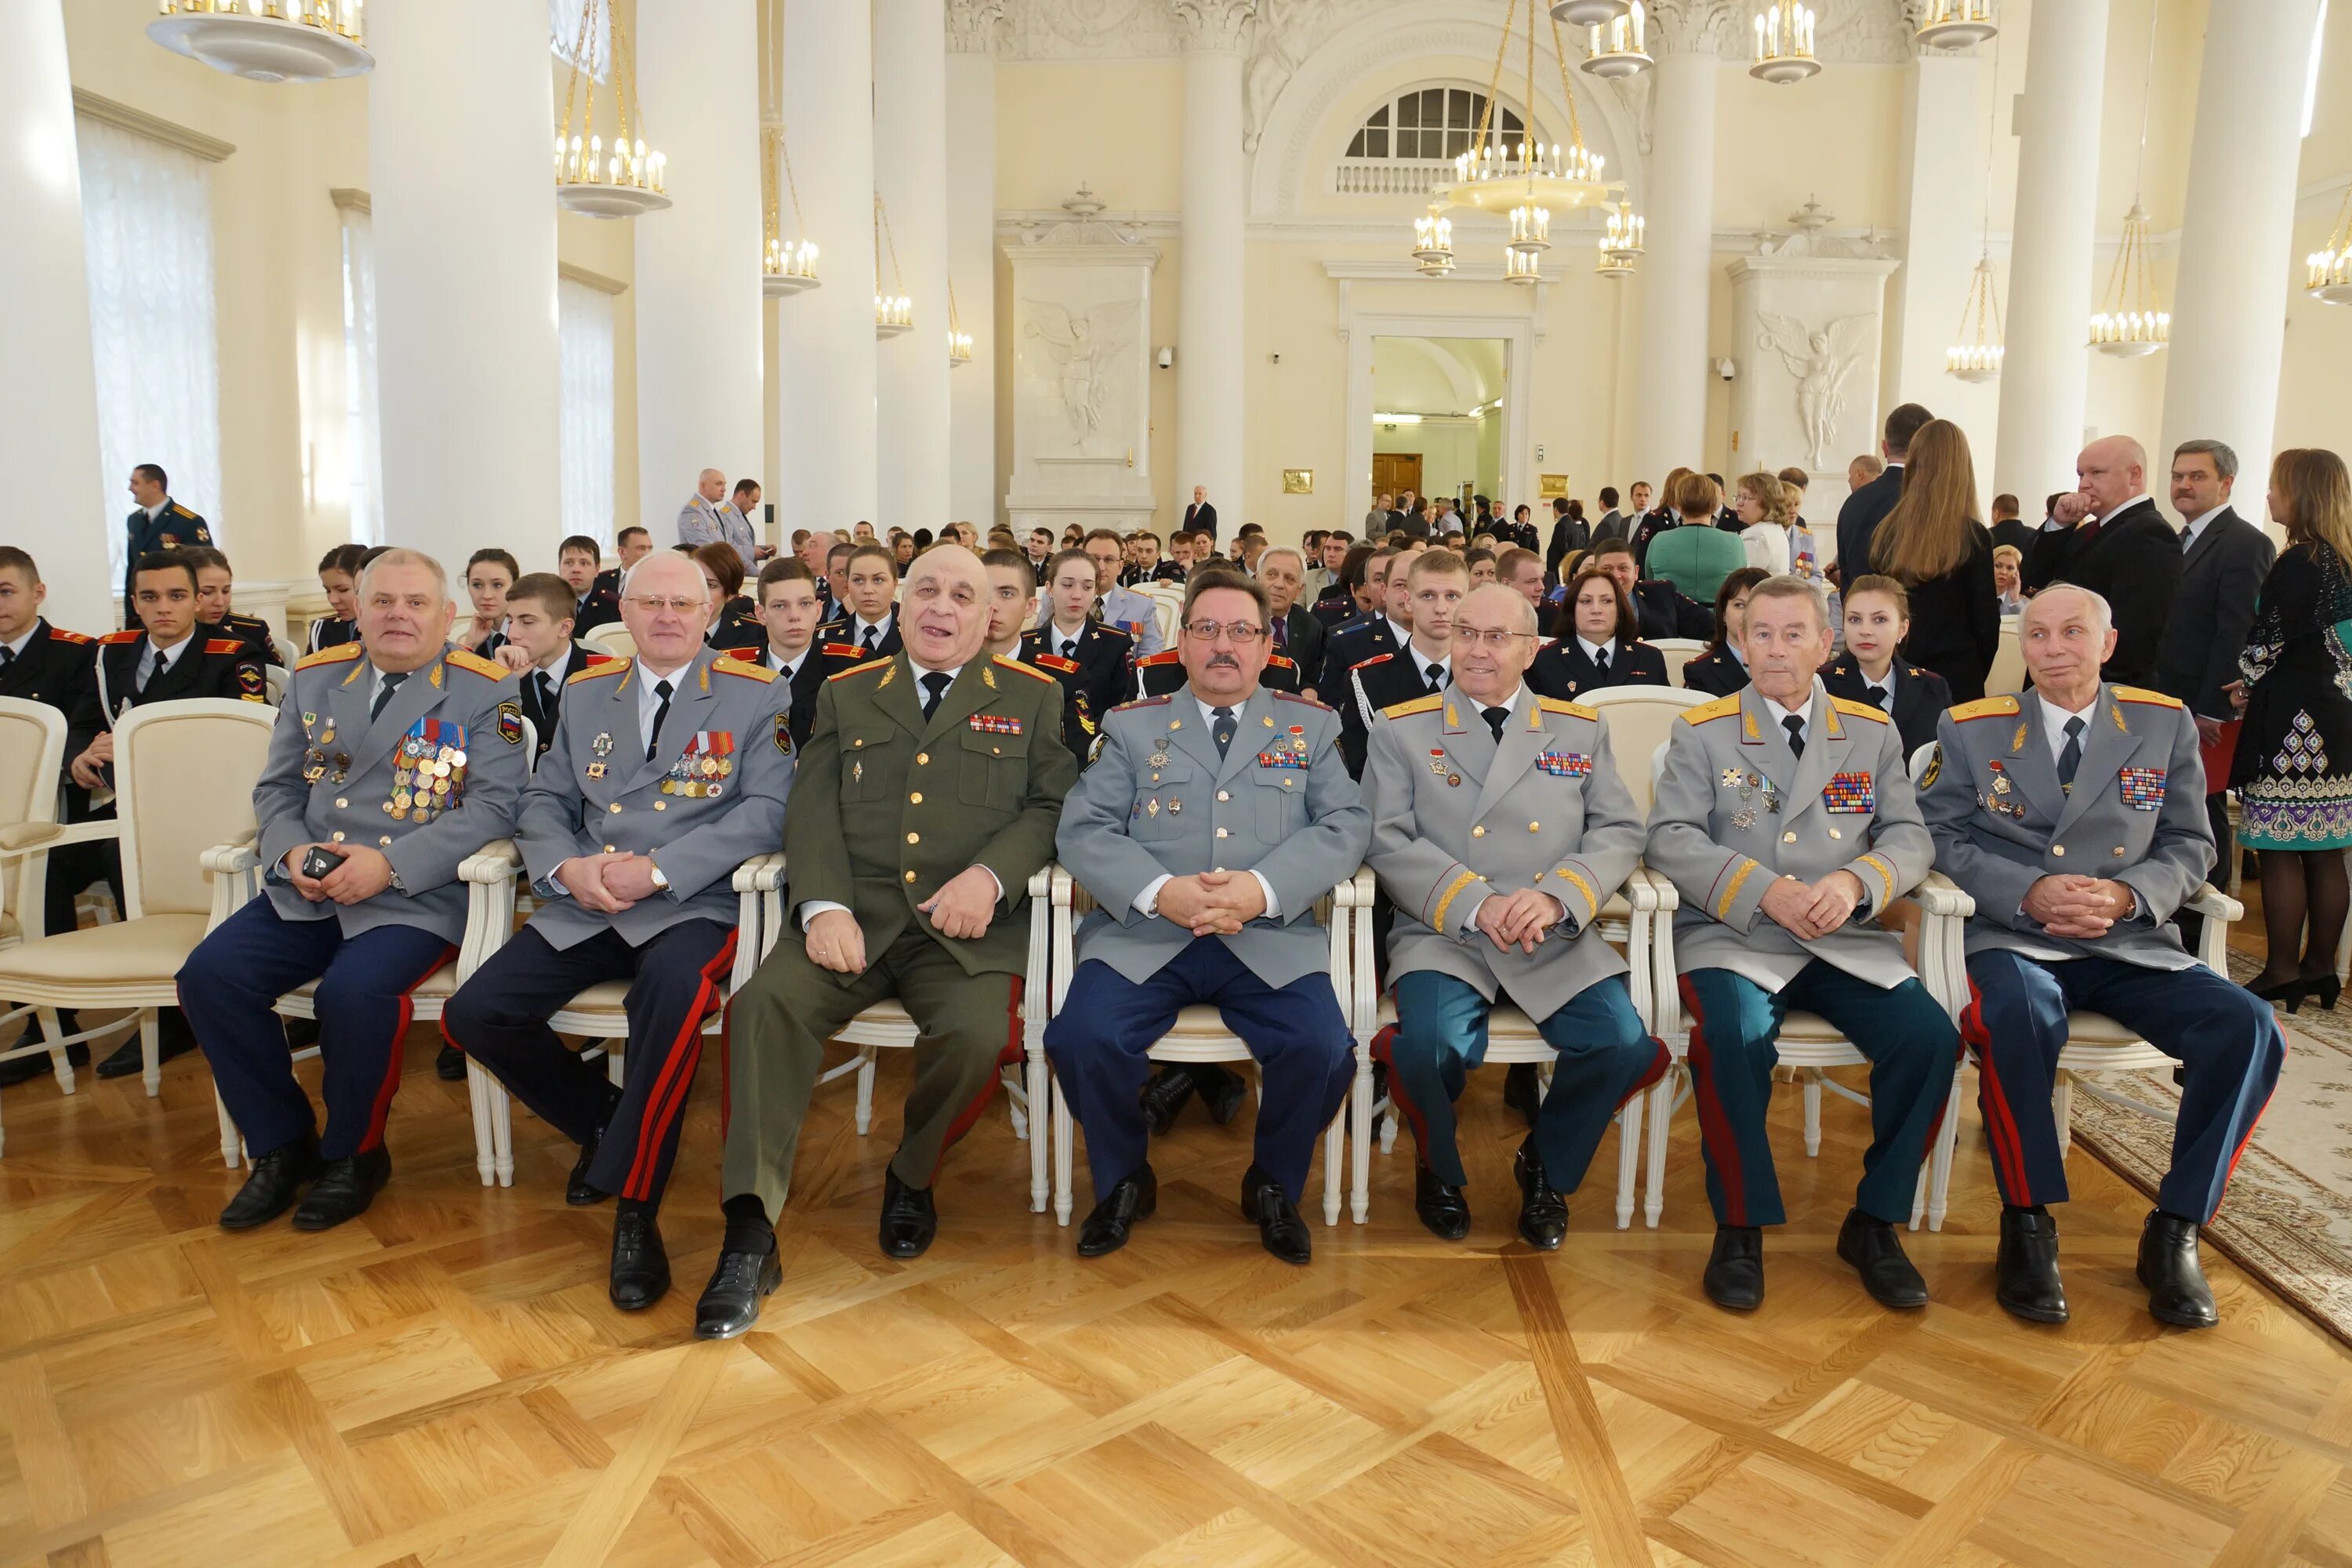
(320, 861)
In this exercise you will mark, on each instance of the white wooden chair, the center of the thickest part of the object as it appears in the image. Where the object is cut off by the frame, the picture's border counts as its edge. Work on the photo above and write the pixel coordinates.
(2006, 676)
(184, 774)
(1199, 1036)
(612, 637)
(1167, 606)
(32, 752)
(1678, 652)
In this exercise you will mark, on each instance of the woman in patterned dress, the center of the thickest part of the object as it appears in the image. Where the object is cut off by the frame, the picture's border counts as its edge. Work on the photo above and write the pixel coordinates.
(2293, 768)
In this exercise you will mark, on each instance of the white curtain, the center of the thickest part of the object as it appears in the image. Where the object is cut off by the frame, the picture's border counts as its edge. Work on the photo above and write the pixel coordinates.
(584, 326)
(364, 430)
(147, 217)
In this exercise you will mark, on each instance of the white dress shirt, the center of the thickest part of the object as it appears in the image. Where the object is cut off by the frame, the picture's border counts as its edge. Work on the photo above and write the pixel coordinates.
(859, 625)
(17, 650)
(787, 669)
(1593, 651)
(1147, 903)
(2189, 530)
(2054, 722)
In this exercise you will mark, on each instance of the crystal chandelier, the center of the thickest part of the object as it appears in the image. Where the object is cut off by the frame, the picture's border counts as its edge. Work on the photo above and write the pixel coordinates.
(893, 314)
(1527, 182)
(959, 340)
(2129, 324)
(268, 40)
(1588, 13)
(1977, 349)
(589, 180)
(1955, 24)
(1621, 242)
(1784, 44)
(2328, 273)
(1620, 47)
(786, 266)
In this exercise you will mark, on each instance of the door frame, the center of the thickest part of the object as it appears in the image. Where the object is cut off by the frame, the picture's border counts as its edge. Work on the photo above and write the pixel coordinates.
(1518, 335)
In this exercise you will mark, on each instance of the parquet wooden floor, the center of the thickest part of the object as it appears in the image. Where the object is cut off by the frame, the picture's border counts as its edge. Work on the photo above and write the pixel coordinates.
(443, 1382)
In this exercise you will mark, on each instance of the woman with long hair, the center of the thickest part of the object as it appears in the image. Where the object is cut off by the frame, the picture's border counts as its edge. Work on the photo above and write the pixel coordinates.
(1722, 670)
(488, 575)
(2293, 766)
(1933, 545)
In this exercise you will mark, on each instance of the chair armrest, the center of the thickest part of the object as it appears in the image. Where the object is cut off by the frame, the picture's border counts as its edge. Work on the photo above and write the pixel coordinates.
(492, 863)
(1642, 892)
(1939, 895)
(1062, 885)
(2215, 905)
(25, 835)
(1358, 891)
(230, 859)
(760, 873)
(38, 838)
(1661, 888)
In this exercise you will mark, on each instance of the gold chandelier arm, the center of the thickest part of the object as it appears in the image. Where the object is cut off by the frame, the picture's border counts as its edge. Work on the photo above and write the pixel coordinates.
(1494, 81)
(624, 81)
(882, 230)
(1575, 120)
(579, 53)
(784, 151)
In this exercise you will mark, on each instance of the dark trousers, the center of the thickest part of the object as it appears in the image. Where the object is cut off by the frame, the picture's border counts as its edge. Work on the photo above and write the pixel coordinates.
(1912, 1051)
(2229, 1045)
(499, 1017)
(1605, 1057)
(1098, 1037)
(231, 982)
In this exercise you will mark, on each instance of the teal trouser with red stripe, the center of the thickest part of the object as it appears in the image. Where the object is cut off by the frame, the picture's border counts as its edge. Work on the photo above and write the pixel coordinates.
(2228, 1043)
(1913, 1051)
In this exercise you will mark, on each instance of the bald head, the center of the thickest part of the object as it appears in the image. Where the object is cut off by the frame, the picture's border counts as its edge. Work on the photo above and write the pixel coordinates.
(943, 607)
(710, 484)
(2113, 471)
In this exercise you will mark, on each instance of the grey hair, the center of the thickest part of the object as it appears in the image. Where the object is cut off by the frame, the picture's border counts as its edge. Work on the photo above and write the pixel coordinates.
(1789, 585)
(2225, 459)
(1267, 556)
(2102, 613)
(401, 556)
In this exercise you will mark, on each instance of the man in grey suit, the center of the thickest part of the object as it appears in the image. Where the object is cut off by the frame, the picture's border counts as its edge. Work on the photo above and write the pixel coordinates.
(1206, 829)
(2111, 774)
(1485, 910)
(1787, 821)
(667, 771)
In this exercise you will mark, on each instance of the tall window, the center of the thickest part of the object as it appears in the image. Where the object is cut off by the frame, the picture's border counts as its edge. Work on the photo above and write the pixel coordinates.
(1431, 123)
(147, 220)
(563, 18)
(584, 327)
(363, 429)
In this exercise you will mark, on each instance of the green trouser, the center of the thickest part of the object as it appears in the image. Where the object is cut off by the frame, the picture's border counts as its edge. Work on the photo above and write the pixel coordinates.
(968, 1027)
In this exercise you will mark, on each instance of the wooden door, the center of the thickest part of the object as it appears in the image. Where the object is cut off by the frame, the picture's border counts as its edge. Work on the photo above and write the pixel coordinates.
(1393, 473)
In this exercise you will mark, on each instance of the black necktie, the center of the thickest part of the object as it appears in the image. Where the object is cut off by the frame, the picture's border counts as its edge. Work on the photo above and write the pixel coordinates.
(1070, 648)
(1494, 717)
(1600, 661)
(1795, 724)
(1221, 732)
(2187, 538)
(1876, 697)
(384, 686)
(662, 688)
(1437, 678)
(546, 695)
(872, 637)
(935, 686)
(2071, 757)
(7, 656)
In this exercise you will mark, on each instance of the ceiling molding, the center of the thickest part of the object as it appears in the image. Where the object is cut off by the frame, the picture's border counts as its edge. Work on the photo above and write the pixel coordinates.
(138, 121)
(595, 280)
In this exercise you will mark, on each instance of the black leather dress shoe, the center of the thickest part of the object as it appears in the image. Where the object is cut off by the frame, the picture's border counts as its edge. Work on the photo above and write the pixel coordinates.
(730, 1302)
(1164, 1096)
(450, 1065)
(577, 1190)
(1445, 1210)
(2025, 1275)
(1543, 1213)
(1222, 1091)
(1107, 1225)
(172, 1038)
(1734, 1279)
(2177, 1291)
(640, 1274)
(1523, 1090)
(344, 1190)
(270, 1191)
(909, 1219)
(1264, 1204)
(1871, 1245)
(24, 1069)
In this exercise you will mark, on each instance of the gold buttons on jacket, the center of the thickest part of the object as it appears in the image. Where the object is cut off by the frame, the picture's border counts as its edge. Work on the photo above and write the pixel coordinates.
(1534, 826)
(1224, 833)
(910, 876)
(385, 841)
(914, 838)
(339, 838)
(1835, 834)
(342, 803)
(2057, 850)
(658, 805)
(922, 759)
(1479, 831)
(1788, 839)
(1222, 794)
(2117, 851)
(916, 798)
(614, 807)
(859, 742)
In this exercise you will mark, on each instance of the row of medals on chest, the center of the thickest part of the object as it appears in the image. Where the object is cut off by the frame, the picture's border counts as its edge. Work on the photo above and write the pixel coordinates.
(1746, 785)
(1292, 748)
(695, 777)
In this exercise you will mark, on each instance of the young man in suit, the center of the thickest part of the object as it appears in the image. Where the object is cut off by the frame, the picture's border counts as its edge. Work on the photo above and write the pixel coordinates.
(2007, 528)
(1859, 518)
(2107, 536)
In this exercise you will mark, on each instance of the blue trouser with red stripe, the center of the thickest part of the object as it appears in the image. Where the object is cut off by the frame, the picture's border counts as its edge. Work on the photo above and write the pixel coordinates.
(1604, 1058)
(2228, 1043)
(231, 982)
(1913, 1051)
(499, 1017)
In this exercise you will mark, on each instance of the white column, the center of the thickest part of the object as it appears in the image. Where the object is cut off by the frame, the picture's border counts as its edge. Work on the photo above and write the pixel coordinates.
(910, 152)
(698, 264)
(2044, 376)
(1941, 200)
(1209, 383)
(1678, 272)
(825, 348)
(48, 398)
(461, 132)
(2228, 309)
(973, 494)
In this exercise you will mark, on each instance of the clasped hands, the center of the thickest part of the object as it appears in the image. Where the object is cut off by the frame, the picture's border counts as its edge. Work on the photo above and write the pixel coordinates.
(1811, 911)
(608, 883)
(363, 873)
(1519, 919)
(1215, 903)
(2078, 906)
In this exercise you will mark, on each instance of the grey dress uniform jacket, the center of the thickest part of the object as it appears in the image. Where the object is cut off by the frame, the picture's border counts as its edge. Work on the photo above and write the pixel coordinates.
(335, 778)
(2136, 815)
(711, 798)
(1735, 809)
(1159, 801)
(1457, 816)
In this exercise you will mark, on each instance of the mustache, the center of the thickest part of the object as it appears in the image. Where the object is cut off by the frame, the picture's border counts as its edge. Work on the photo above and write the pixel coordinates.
(1223, 661)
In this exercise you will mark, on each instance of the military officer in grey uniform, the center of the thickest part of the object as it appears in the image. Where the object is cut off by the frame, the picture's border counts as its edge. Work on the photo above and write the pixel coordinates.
(395, 758)
(666, 773)
(1206, 829)
(2075, 817)
(1786, 821)
(1499, 828)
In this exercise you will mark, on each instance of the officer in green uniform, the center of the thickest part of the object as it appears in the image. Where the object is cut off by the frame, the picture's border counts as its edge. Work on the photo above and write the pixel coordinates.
(927, 798)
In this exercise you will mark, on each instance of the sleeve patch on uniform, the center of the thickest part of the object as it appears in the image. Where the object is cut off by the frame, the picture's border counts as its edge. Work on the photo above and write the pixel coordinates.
(250, 680)
(784, 734)
(510, 724)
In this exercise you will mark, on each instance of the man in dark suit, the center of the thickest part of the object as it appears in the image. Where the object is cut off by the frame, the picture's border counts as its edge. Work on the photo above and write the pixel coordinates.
(1297, 635)
(1568, 534)
(2108, 537)
(1868, 507)
(1201, 517)
(2007, 527)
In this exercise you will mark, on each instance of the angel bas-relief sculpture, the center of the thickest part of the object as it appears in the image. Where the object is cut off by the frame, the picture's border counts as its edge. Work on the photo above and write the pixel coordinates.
(1085, 348)
(1822, 358)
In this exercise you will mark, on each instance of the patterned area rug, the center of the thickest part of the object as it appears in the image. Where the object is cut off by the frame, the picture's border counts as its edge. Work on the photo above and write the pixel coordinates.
(2288, 1218)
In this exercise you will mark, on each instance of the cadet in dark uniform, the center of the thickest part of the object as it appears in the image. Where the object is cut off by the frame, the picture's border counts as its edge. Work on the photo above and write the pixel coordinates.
(596, 596)
(216, 618)
(1094, 663)
(1720, 669)
(159, 523)
(395, 758)
(867, 622)
(925, 802)
(788, 616)
(1359, 637)
(338, 575)
(1434, 583)
(1870, 670)
(1599, 647)
(735, 620)
(667, 772)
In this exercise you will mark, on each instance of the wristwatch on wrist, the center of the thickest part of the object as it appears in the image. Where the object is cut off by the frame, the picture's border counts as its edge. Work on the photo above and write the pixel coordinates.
(660, 882)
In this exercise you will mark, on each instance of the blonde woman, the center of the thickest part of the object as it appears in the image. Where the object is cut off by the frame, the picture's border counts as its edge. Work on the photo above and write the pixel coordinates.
(1766, 509)
(1933, 545)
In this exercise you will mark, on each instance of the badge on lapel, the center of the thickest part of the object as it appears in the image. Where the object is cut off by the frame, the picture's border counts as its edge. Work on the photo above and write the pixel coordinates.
(510, 724)
(1850, 792)
(2143, 788)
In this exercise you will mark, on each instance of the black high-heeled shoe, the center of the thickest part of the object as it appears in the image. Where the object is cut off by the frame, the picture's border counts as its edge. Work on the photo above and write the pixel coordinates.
(2287, 994)
(2326, 988)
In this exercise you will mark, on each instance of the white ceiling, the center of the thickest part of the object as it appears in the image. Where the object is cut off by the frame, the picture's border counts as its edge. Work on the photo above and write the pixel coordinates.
(1436, 376)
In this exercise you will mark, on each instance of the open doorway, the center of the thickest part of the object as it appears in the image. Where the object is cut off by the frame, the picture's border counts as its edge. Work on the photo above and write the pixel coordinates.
(1437, 418)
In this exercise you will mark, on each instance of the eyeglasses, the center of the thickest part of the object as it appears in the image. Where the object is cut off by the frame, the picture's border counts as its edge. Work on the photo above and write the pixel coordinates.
(1477, 636)
(1241, 632)
(674, 607)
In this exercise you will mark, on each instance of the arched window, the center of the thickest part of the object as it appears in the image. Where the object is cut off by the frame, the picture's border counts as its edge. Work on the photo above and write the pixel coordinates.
(1430, 123)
